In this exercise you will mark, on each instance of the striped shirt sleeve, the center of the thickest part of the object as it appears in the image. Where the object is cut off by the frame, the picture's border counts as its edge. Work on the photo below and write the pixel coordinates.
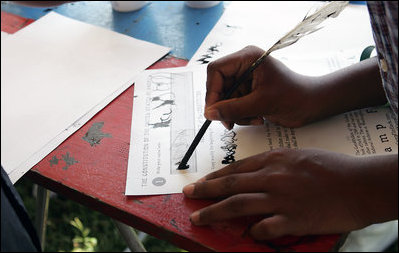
(384, 22)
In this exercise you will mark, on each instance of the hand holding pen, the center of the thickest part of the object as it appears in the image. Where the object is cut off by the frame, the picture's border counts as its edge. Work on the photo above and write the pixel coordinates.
(310, 24)
(271, 91)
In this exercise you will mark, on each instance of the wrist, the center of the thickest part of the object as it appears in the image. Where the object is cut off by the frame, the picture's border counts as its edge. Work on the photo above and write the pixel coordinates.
(357, 86)
(374, 188)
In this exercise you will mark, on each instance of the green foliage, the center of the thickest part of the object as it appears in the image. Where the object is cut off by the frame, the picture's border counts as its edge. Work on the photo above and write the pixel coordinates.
(60, 234)
(82, 242)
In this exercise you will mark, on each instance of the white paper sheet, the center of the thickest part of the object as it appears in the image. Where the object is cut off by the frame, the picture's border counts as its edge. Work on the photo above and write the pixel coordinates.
(4, 35)
(262, 23)
(168, 112)
(56, 74)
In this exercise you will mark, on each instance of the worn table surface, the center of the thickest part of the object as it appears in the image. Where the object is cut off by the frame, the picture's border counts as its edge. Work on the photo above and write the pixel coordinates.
(90, 166)
(167, 23)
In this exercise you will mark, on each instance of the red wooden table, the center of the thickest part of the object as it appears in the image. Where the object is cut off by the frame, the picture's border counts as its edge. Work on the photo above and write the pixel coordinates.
(90, 167)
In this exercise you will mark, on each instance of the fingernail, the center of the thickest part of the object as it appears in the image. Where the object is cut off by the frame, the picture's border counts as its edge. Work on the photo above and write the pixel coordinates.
(194, 217)
(188, 189)
(212, 114)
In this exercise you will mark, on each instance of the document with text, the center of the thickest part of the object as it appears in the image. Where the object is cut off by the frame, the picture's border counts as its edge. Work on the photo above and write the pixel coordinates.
(168, 111)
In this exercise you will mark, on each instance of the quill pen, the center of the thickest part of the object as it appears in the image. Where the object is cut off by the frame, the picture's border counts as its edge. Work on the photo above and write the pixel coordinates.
(310, 24)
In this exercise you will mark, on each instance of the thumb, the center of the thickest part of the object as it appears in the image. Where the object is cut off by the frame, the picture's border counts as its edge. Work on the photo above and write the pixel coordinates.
(234, 109)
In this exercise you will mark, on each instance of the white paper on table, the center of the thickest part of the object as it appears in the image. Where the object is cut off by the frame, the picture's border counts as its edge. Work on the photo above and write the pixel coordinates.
(168, 112)
(4, 35)
(56, 74)
(262, 23)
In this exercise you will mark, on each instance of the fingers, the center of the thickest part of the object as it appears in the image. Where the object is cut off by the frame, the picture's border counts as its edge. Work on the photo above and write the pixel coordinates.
(228, 125)
(235, 206)
(229, 180)
(224, 186)
(271, 228)
(258, 121)
(268, 228)
(247, 204)
(235, 109)
(222, 72)
(249, 164)
(232, 168)
(249, 191)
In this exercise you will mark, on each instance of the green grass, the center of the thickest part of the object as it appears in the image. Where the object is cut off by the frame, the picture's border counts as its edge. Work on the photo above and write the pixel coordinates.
(60, 233)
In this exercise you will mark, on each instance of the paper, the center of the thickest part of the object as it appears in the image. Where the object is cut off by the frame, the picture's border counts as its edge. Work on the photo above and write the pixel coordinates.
(168, 112)
(262, 23)
(4, 35)
(56, 74)
(168, 104)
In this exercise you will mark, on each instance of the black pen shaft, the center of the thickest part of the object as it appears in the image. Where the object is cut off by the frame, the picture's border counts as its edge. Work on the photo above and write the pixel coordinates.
(193, 145)
(201, 132)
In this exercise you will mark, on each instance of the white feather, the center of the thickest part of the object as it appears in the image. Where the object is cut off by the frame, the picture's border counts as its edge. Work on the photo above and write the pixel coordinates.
(310, 24)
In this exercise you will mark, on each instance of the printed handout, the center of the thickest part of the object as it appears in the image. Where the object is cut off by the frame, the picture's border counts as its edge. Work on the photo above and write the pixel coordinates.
(168, 112)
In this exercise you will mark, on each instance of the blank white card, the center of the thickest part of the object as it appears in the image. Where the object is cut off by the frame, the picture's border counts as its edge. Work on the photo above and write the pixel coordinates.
(56, 73)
